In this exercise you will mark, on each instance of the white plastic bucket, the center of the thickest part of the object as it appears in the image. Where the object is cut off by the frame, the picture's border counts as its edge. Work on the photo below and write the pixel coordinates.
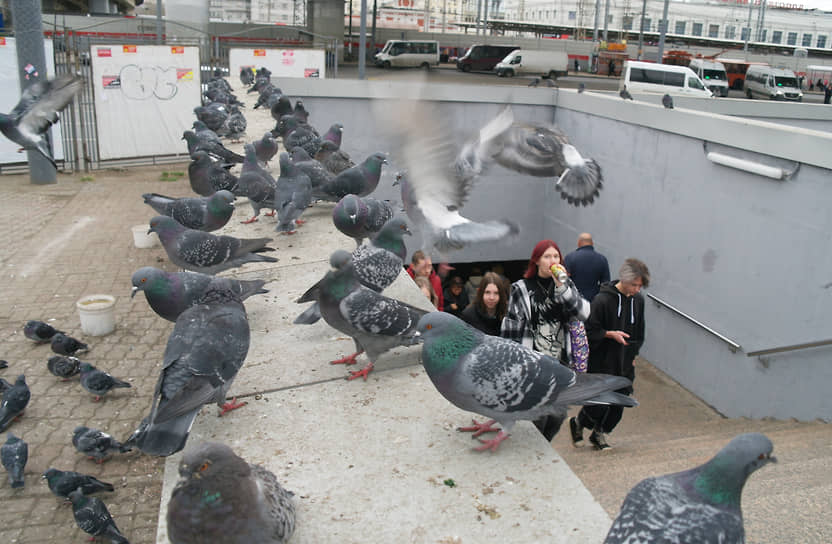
(98, 316)
(142, 239)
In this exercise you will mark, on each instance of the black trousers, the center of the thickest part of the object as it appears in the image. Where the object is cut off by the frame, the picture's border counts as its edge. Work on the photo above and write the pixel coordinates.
(602, 418)
(550, 425)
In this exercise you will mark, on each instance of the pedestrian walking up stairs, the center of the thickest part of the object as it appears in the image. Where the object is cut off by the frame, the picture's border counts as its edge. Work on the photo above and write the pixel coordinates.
(672, 430)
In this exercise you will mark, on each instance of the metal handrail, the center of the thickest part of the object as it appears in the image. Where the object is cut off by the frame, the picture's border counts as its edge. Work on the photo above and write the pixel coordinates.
(793, 347)
(733, 346)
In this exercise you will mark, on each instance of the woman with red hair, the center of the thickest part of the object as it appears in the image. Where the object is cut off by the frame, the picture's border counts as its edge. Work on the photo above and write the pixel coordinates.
(540, 307)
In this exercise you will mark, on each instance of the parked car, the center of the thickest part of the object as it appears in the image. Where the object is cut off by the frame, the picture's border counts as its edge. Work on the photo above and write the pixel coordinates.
(483, 57)
(772, 83)
(551, 64)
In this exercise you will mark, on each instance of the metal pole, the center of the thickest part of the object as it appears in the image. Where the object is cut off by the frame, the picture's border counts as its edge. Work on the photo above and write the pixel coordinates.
(663, 31)
(28, 33)
(761, 21)
(362, 41)
(158, 22)
(641, 29)
(444, 13)
(373, 33)
(595, 26)
(606, 19)
(748, 35)
(485, 17)
(479, 14)
(349, 33)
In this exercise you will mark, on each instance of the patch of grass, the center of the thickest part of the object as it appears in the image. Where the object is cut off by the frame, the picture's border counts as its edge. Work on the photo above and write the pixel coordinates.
(171, 176)
(87, 178)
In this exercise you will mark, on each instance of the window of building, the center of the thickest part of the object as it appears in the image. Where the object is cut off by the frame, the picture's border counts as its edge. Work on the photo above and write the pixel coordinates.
(697, 29)
(807, 40)
(791, 39)
(609, 20)
(713, 31)
(572, 15)
(776, 36)
(745, 34)
(763, 35)
(680, 27)
(628, 22)
(646, 24)
(662, 25)
(821, 41)
(730, 32)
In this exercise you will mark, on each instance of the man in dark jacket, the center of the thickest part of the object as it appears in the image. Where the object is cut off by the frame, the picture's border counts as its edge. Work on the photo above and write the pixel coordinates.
(587, 268)
(615, 331)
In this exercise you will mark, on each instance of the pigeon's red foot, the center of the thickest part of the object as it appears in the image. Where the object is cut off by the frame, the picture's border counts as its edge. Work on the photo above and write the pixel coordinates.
(493, 443)
(271, 213)
(233, 405)
(249, 221)
(300, 221)
(288, 232)
(348, 360)
(480, 428)
(96, 399)
(364, 372)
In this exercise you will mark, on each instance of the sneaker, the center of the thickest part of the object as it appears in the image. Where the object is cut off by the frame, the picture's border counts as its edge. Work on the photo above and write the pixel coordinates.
(599, 441)
(577, 431)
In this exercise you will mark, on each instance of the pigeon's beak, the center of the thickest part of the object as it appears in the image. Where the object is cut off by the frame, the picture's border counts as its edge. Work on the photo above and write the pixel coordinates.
(133, 292)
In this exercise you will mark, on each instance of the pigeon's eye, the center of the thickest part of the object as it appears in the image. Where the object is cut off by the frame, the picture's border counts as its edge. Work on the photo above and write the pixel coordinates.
(204, 466)
(144, 280)
(428, 327)
(762, 456)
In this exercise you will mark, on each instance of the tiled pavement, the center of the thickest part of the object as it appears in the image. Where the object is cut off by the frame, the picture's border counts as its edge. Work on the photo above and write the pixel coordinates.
(64, 241)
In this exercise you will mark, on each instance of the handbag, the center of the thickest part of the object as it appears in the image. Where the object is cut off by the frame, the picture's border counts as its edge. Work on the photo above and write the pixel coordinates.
(580, 346)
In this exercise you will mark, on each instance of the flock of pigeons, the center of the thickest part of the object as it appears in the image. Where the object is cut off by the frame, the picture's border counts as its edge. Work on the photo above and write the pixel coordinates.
(219, 492)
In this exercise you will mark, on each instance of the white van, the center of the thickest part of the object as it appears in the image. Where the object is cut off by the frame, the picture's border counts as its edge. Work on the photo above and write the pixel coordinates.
(772, 83)
(713, 74)
(405, 53)
(648, 77)
(549, 64)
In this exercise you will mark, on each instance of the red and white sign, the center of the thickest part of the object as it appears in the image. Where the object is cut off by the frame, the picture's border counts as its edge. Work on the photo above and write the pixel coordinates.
(129, 48)
(2, 41)
(259, 52)
(104, 52)
(177, 50)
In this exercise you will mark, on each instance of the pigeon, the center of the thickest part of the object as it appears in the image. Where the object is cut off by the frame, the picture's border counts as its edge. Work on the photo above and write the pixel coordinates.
(98, 382)
(211, 147)
(697, 505)
(536, 81)
(376, 323)
(213, 114)
(39, 332)
(204, 133)
(205, 252)
(246, 75)
(63, 366)
(4, 363)
(283, 106)
(258, 185)
(380, 261)
(266, 92)
(67, 345)
(581, 87)
(62, 483)
(207, 176)
(219, 493)
(360, 218)
(625, 94)
(27, 124)
(14, 454)
(292, 196)
(171, 293)
(300, 112)
(317, 172)
(206, 349)
(298, 134)
(539, 150)
(334, 134)
(235, 126)
(667, 102)
(207, 213)
(14, 401)
(504, 380)
(360, 180)
(5, 385)
(95, 444)
(433, 206)
(93, 517)
(334, 159)
(265, 148)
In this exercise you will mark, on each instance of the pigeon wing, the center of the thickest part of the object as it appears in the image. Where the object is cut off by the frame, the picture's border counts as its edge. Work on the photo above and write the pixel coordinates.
(373, 313)
(38, 106)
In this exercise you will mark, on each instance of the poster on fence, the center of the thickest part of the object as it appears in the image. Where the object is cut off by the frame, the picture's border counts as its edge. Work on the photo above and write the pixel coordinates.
(144, 98)
(10, 83)
(281, 62)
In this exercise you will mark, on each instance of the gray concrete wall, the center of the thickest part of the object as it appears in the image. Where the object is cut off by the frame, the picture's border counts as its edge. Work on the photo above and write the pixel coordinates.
(743, 254)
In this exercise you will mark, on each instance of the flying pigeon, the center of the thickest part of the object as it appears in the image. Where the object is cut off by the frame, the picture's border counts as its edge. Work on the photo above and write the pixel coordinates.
(207, 176)
(539, 150)
(67, 345)
(93, 517)
(697, 505)
(206, 349)
(257, 184)
(360, 218)
(95, 444)
(219, 493)
(376, 323)
(14, 401)
(63, 366)
(317, 172)
(292, 196)
(504, 380)
(171, 293)
(360, 180)
(625, 94)
(246, 75)
(581, 87)
(39, 332)
(37, 110)
(14, 454)
(211, 147)
(667, 101)
(207, 213)
(265, 148)
(334, 159)
(62, 483)
(205, 252)
(98, 382)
